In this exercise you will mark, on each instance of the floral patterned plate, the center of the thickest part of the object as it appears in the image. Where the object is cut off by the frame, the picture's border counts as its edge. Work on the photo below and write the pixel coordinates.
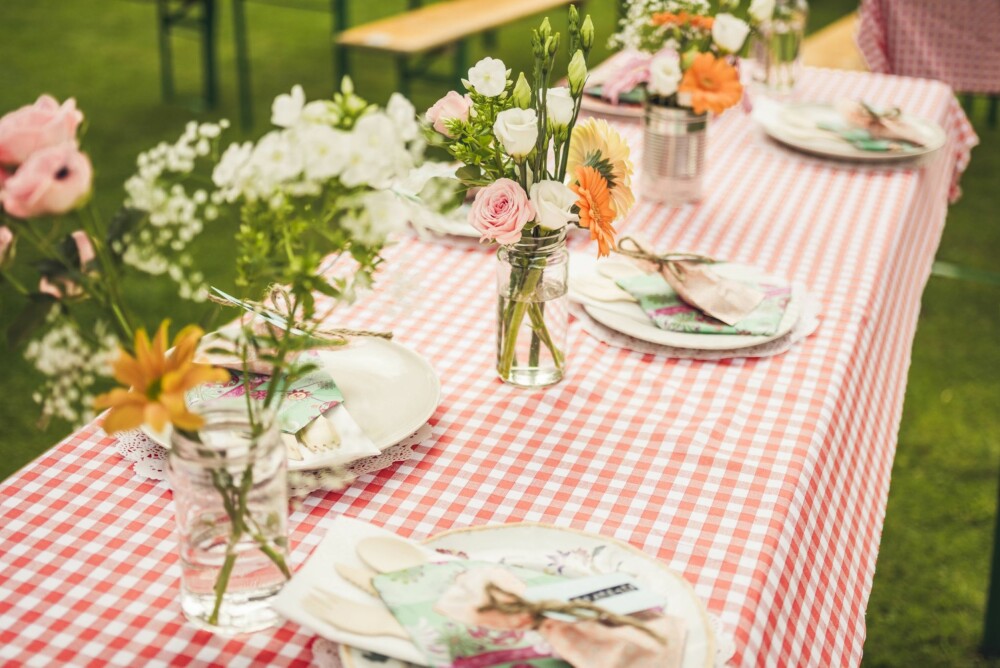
(572, 553)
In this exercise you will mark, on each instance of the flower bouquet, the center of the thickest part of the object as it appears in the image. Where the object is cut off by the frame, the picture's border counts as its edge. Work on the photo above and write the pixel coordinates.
(312, 193)
(683, 56)
(536, 170)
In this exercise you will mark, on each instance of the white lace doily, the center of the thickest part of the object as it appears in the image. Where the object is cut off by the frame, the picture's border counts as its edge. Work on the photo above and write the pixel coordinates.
(326, 653)
(149, 460)
(807, 324)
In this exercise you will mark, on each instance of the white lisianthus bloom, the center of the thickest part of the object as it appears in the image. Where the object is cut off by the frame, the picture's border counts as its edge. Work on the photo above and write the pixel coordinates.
(286, 109)
(403, 114)
(553, 204)
(761, 10)
(324, 151)
(665, 73)
(559, 105)
(488, 77)
(320, 111)
(276, 159)
(517, 130)
(729, 32)
(373, 155)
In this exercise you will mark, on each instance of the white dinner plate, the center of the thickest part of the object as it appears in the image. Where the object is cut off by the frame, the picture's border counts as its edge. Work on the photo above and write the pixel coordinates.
(575, 554)
(388, 389)
(796, 125)
(629, 318)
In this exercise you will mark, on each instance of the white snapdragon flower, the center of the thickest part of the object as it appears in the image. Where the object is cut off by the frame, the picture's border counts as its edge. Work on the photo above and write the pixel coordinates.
(373, 152)
(488, 77)
(324, 112)
(404, 115)
(381, 214)
(276, 159)
(286, 109)
(559, 106)
(517, 130)
(665, 73)
(324, 151)
(761, 10)
(729, 33)
(553, 204)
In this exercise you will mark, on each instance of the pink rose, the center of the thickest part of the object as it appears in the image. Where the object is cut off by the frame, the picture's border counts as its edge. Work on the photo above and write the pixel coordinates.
(53, 180)
(33, 127)
(500, 211)
(451, 106)
(6, 244)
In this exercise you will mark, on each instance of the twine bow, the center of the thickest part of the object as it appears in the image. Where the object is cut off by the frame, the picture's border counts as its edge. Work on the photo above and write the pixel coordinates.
(277, 314)
(668, 261)
(508, 603)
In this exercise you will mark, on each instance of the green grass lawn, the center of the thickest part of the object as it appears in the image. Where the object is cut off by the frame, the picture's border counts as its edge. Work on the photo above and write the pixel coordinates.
(927, 604)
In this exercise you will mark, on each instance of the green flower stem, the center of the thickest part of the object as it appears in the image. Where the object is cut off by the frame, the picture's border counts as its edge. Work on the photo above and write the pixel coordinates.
(511, 321)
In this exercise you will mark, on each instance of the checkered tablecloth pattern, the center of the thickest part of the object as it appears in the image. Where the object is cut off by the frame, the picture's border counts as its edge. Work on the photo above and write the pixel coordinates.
(954, 42)
(762, 481)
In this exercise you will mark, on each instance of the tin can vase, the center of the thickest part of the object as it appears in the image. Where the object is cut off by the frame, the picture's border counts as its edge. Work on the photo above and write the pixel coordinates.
(673, 157)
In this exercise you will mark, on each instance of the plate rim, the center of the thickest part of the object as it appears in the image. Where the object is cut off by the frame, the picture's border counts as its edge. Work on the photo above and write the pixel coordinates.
(348, 661)
(294, 465)
(849, 153)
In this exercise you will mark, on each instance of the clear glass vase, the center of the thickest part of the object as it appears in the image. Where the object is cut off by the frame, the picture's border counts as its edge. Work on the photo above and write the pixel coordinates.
(777, 47)
(532, 309)
(674, 142)
(230, 488)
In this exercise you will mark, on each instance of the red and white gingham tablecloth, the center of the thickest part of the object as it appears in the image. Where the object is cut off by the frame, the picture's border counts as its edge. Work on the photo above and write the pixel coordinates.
(955, 42)
(762, 481)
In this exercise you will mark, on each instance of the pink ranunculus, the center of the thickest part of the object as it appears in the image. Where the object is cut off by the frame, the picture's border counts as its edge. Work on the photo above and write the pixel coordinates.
(36, 126)
(6, 244)
(500, 211)
(84, 249)
(451, 106)
(53, 180)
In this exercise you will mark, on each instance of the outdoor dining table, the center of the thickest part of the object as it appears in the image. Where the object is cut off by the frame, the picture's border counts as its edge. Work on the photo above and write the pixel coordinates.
(762, 481)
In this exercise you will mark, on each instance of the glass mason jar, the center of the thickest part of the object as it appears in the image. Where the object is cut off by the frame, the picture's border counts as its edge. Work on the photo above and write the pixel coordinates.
(777, 47)
(673, 154)
(532, 309)
(231, 503)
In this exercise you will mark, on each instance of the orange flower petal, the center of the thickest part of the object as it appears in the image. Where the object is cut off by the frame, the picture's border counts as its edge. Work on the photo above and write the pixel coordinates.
(156, 415)
(128, 372)
(123, 418)
(118, 397)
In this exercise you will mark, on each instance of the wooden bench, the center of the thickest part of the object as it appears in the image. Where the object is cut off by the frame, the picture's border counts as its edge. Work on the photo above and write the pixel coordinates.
(428, 32)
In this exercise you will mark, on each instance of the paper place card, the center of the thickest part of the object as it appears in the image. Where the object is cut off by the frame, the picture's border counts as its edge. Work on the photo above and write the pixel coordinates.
(615, 592)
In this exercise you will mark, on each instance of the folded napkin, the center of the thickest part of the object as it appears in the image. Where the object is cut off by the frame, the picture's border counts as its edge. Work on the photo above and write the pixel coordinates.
(693, 280)
(668, 311)
(870, 130)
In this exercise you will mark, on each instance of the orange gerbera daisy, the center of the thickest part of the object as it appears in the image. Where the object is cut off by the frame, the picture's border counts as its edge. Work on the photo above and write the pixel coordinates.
(157, 383)
(712, 83)
(597, 213)
(683, 18)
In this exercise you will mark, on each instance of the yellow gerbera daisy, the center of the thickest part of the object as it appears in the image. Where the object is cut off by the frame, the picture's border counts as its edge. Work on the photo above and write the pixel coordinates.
(596, 144)
(157, 383)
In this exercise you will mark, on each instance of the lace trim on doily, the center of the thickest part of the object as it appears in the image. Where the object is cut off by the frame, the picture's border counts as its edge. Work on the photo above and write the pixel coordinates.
(326, 653)
(149, 460)
(807, 324)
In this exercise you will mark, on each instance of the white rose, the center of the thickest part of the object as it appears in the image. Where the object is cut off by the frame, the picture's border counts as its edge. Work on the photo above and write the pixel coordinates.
(560, 106)
(286, 109)
(553, 203)
(665, 74)
(488, 77)
(729, 32)
(517, 130)
(761, 10)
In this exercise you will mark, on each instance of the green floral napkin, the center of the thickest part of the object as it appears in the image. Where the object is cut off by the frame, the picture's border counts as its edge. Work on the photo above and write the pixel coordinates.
(668, 311)
(863, 140)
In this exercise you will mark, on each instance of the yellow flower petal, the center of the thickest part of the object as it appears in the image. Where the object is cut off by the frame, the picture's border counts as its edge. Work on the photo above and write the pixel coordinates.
(123, 418)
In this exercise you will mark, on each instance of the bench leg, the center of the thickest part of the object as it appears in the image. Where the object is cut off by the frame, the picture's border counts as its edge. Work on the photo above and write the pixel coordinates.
(403, 74)
(242, 64)
(166, 54)
(490, 40)
(210, 85)
(341, 21)
(991, 631)
(461, 63)
(994, 103)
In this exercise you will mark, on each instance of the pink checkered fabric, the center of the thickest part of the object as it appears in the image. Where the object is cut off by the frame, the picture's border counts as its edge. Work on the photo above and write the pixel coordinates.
(954, 42)
(762, 481)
